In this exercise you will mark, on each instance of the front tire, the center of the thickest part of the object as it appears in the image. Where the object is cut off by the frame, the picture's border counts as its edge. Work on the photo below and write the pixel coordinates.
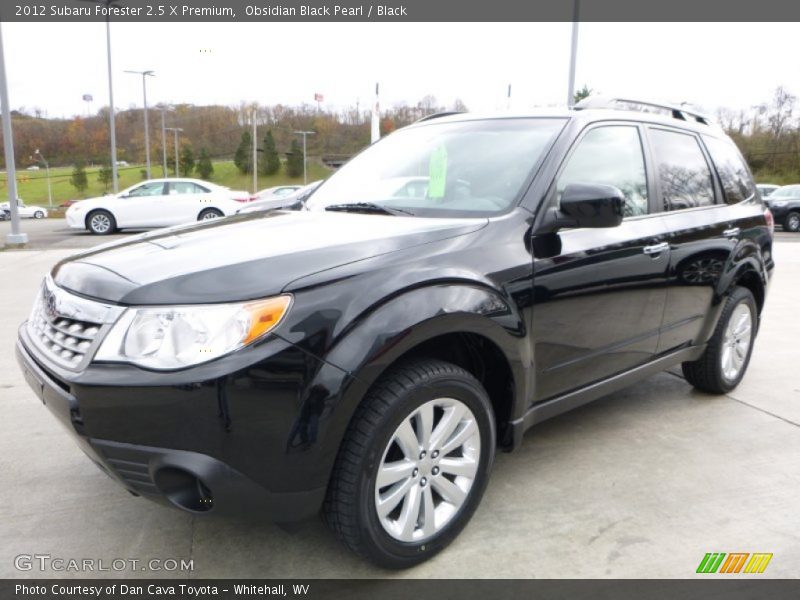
(413, 465)
(792, 222)
(724, 362)
(101, 222)
(38, 215)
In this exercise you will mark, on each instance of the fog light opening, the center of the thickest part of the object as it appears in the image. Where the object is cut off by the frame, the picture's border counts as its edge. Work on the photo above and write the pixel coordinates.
(184, 489)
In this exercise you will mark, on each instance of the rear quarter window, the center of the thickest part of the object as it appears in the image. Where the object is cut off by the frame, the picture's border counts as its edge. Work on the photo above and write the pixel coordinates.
(732, 170)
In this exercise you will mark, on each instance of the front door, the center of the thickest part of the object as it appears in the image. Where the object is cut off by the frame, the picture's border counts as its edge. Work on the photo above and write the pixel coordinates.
(599, 296)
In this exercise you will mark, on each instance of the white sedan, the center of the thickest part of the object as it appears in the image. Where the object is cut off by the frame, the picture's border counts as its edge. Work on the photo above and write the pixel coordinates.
(25, 211)
(155, 203)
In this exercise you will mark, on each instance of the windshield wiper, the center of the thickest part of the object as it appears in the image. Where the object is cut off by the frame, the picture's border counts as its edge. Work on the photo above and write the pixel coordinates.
(368, 208)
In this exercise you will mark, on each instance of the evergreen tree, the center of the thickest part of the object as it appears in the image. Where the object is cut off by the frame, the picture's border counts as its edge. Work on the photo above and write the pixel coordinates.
(78, 179)
(271, 161)
(204, 167)
(582, 93)
(104, 176)
(294, 164)
(187, 160)
(244, 153)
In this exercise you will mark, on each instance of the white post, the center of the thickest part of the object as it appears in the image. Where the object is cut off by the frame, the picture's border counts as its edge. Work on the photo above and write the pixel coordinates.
(112, 123)
(255, 155)
(573, 56)
(376, 119)
(16, 236)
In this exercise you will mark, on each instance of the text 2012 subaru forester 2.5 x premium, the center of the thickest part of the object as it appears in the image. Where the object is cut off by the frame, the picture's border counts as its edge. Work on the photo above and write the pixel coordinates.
(457, 282)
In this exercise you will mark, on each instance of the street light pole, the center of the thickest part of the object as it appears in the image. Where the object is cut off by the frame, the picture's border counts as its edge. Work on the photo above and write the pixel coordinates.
(144, 75)
(176, 130)
(16, 237)
(305, 134)
(47, 171)
(112, 122)
(573, 55)
(164, 140)
(255, 154)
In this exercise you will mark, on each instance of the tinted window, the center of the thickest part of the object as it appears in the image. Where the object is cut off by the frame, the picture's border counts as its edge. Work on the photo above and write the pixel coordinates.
(610, 155)
(733, 173)
(683, 173)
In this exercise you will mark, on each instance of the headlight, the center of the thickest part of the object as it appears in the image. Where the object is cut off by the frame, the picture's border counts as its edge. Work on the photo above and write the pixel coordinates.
(779, 203)
(172, 337)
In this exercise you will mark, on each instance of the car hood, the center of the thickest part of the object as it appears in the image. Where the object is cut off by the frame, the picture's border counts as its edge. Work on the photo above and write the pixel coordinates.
(243, 257)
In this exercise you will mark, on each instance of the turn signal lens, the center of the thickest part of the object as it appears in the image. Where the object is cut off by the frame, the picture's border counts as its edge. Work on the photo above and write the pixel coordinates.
(265, 315)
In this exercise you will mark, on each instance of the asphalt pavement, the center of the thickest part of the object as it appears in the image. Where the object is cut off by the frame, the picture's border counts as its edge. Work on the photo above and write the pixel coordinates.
(639, 484)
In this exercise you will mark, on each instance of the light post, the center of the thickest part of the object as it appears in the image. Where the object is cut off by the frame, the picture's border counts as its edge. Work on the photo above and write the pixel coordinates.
(16, 237)
(176, 131)
(144, 75)
(164, 140)
(573, 55)
(47, 171)
(111, 121)
(305, 134)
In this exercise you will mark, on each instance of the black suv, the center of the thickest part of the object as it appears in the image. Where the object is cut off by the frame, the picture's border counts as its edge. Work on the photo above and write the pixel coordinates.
(456, 283)
(785, 206)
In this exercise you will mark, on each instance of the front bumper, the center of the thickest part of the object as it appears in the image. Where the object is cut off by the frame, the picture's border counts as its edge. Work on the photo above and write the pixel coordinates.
(168, 443)
(75, 220)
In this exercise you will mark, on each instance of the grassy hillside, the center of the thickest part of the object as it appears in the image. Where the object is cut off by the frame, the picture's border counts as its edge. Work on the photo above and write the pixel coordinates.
(33, 184)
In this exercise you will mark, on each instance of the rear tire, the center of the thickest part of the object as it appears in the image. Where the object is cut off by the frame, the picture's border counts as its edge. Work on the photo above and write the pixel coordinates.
(427, 429)
(209, 214)
(38, 215)
(724, 362)
(101, 222)
(792, 222)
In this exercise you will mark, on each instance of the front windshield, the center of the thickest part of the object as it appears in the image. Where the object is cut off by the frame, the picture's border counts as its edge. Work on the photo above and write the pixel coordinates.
(467, 168)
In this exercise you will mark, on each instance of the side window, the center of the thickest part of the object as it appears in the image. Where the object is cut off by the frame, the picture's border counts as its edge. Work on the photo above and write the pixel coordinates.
(732, 170)
(683, 173)
(610, 155)
(185, 187)
(147, 189)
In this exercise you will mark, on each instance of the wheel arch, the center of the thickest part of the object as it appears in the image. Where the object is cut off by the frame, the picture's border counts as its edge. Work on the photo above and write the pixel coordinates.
(469, 325)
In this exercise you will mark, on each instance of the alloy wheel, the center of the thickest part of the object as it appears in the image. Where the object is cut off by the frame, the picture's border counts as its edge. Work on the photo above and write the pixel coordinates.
(427, 470)
(737, 340)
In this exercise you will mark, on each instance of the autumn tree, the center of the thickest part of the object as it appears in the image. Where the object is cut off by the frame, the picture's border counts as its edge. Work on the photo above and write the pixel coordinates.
(78, 178)
(204, 167)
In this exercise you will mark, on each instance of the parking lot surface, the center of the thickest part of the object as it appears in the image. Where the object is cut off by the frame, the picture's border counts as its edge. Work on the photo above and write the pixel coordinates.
(641, 483)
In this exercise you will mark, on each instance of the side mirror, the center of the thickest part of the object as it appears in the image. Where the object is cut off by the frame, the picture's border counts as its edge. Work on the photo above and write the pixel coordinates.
(592, 205)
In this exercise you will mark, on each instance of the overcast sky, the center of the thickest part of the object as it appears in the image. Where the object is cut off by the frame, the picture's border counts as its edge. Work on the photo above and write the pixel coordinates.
(51, 66)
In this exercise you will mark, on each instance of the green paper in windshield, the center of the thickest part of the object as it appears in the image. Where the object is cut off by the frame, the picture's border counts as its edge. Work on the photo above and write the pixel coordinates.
(437, 173)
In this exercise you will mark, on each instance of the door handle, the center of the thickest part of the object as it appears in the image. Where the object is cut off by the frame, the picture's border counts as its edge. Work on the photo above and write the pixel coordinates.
(656, 248)
(732, 232)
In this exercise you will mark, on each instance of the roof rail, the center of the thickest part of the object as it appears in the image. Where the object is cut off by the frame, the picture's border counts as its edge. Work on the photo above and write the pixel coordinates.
(438, 115)
(683, 111)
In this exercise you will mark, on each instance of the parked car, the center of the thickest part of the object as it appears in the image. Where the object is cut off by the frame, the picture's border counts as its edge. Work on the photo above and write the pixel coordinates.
(155, 203)
(785, 206)
(277, 191)
(25, 211)
(33, 168)
(293, 200)
(765, 189)
(366, 356)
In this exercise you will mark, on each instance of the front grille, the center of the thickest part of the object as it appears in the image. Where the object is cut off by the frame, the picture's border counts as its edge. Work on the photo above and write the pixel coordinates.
(66, 340)
(65, 328)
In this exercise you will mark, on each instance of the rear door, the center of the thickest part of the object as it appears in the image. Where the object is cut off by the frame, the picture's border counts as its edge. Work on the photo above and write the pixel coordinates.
(703, 231)
(184, 202)
(599, 295)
